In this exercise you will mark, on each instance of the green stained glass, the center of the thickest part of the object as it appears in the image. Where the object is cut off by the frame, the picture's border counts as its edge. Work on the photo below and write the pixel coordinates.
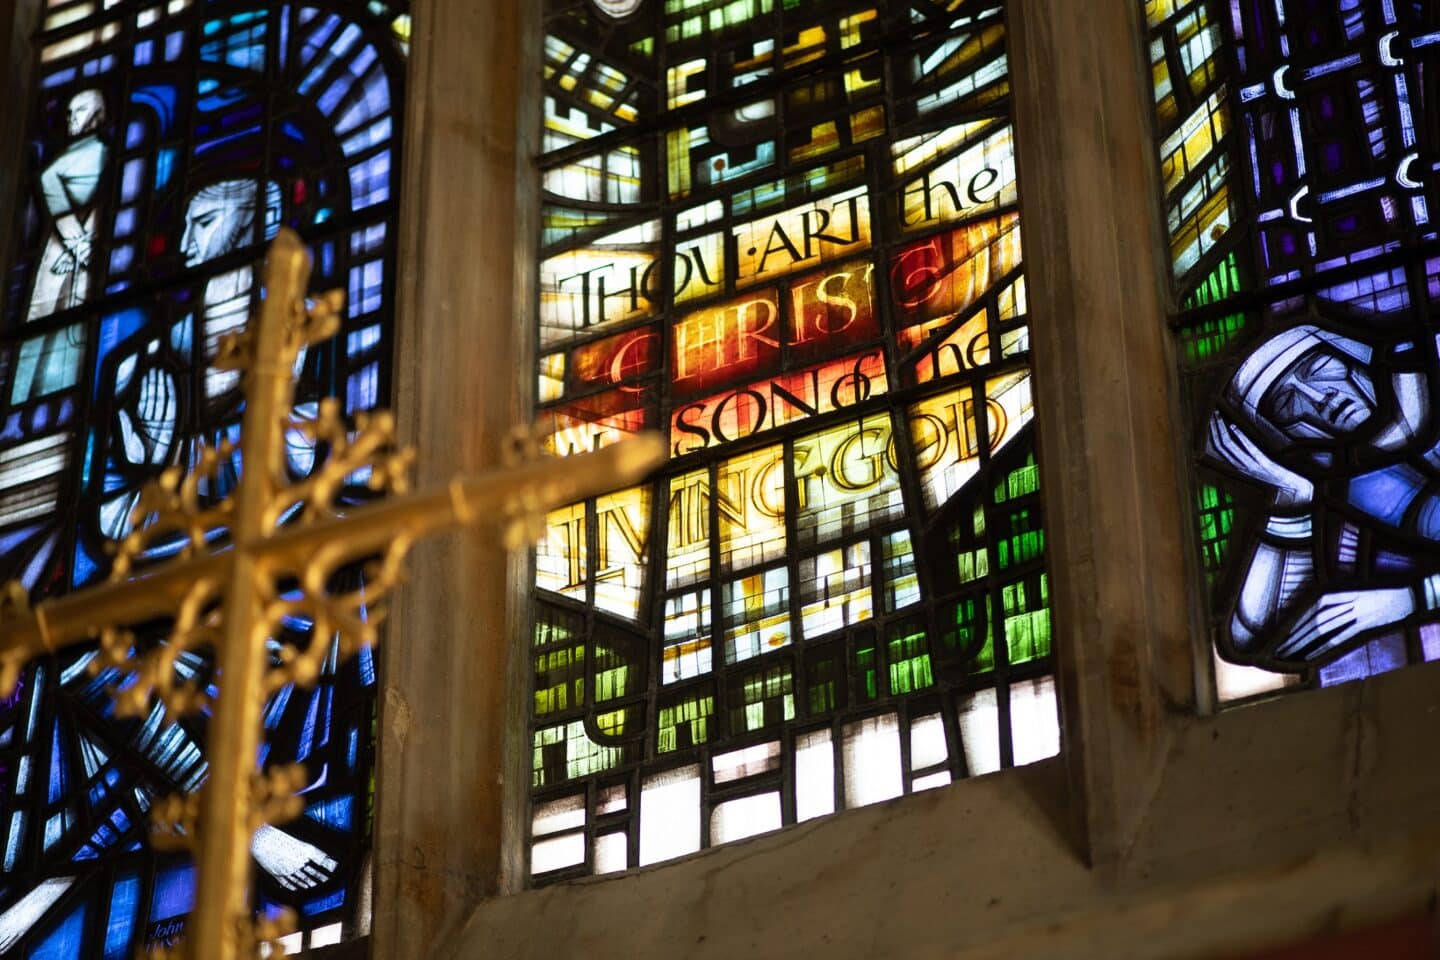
(1027, 541)
(825, 678)
(685, 724)
(1220, 284)
(1207, 339)
(1027, 620)
(762, 699)
(612, 675)
(559, 680)
(1020, 482)
(966, 634)
(908, 653)
(1216, 517)
(567, 752)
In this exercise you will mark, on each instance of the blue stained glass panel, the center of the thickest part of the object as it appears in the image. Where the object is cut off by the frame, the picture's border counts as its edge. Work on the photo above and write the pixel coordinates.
(166, 144)
(66, 941)
(124, 901)
(1299, 160)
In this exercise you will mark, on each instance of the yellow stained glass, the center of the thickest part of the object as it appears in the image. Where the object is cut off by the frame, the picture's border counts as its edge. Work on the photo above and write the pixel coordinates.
(687, 553)
(750, 496)
(622, 523)
(973, 182)
(802, 237)
(561, 558)
(846, 480)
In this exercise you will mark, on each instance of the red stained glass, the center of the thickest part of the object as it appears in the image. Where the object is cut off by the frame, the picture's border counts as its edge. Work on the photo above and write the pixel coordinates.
(945, 274)
(721, 344)
(762, 406)
(616, 360)
(595, 422)
(826, 313)
(833, 310)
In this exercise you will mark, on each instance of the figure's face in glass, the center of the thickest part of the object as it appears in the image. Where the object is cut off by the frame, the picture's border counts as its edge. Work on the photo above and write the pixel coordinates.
(1326, 391)
(217, 222)
(83, 113)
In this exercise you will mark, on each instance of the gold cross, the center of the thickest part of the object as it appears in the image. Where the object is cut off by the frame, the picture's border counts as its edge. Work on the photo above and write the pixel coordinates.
(224, 592)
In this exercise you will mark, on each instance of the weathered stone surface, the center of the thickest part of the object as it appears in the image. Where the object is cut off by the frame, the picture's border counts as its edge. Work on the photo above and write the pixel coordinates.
(445, 672)
(18, 21)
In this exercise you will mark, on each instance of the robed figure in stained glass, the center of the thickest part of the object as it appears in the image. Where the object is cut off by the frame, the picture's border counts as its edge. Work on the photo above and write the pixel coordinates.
(154, 398)
(68, 186)
(1342, 432)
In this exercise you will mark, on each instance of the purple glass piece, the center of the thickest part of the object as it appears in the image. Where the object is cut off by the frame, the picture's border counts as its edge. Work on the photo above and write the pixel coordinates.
(1376, 657)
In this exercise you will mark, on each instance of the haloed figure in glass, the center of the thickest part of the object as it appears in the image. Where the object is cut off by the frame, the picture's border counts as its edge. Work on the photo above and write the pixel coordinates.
(68, 188)
(1343, 433)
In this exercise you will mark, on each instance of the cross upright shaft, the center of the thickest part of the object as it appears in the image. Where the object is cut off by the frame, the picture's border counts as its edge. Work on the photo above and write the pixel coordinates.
(227, 801)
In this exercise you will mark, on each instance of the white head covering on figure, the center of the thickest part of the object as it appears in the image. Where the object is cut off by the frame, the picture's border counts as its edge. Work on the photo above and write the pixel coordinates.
(1272, 359)
(220, 219)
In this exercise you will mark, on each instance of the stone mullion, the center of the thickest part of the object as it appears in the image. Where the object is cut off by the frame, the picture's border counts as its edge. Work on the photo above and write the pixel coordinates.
(1107, 407)
(18, 23)
(452, 696)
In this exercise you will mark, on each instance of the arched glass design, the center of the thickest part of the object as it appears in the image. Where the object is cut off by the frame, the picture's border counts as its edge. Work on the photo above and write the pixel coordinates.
(785, 234)
(166, 143)
(1299, 158)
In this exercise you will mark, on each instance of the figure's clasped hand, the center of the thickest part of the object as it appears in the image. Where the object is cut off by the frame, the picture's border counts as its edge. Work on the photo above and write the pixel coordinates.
(1335, 619)
(76, 255)
(1227, 442)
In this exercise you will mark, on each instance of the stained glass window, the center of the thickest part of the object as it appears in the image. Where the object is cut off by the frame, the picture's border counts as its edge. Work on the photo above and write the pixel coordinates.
(785, 233)
(167, 141)
(1299, 157)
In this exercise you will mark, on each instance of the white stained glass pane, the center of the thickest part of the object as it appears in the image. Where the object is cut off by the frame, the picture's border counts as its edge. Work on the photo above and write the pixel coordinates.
(17, 921)
(979, 718)
(759, 608)
(612, 800)
(739, 764)
(1034, 720)
(745, 817)
(611, 853)
(1234, 682)
(326, 935)
(687, 637)
(872, 761)
(931, 781)
(927, 742)
(670, 815)
(902, 583)
(557, 853)
(567, 813)
(835, 589)
(814, 775)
